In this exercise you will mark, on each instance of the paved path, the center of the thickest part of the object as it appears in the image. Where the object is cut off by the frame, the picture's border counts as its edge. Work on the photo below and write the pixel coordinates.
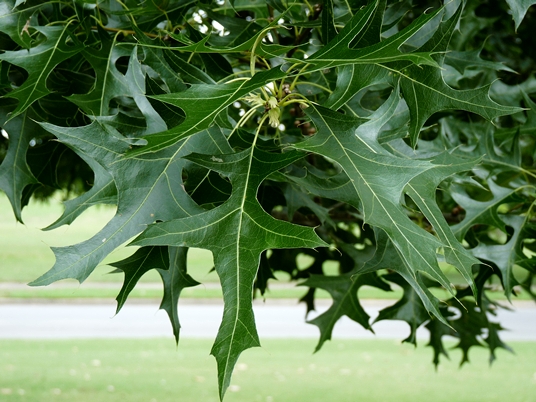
(274, 320)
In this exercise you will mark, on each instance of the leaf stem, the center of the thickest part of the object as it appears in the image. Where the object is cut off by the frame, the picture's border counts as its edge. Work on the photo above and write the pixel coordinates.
(255, 44)
(284, 102)
(234, 79)
(263, 118)
(124, 31)
(243, 120)
(298, 74)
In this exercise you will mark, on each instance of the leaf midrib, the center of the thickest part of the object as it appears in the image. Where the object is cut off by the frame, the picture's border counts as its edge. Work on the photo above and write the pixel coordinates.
(374, 193)
(238, 236)
(442, 94)
(43, 70)
(163, 144)
(134, 214)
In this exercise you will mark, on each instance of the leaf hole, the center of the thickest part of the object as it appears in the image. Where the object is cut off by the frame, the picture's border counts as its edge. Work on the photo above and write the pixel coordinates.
(452, 211)
(65, 170)
(207, 188)
(67, 82)
(480, 191)
(17, 76)
(200, 263)
(431, 132)
(374, 97)
(491, 235)
(416, 215)
(69, 42)
(304, 261)
(272, 200)
(331, 268)
(171, 114)
(455, 313)
(122, 64)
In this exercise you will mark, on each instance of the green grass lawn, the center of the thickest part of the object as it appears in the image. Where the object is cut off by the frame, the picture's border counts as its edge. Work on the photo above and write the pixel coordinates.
(25, 255)
(280, 371)
(25, 252)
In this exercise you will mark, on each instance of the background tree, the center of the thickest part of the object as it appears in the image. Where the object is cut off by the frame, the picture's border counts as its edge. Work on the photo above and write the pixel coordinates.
(366, 133)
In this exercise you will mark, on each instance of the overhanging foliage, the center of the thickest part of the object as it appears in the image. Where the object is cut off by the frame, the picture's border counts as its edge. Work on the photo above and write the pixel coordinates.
(349, 131)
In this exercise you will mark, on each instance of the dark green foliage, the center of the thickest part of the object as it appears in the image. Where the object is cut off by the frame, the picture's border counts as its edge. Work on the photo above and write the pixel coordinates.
(374, 135)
